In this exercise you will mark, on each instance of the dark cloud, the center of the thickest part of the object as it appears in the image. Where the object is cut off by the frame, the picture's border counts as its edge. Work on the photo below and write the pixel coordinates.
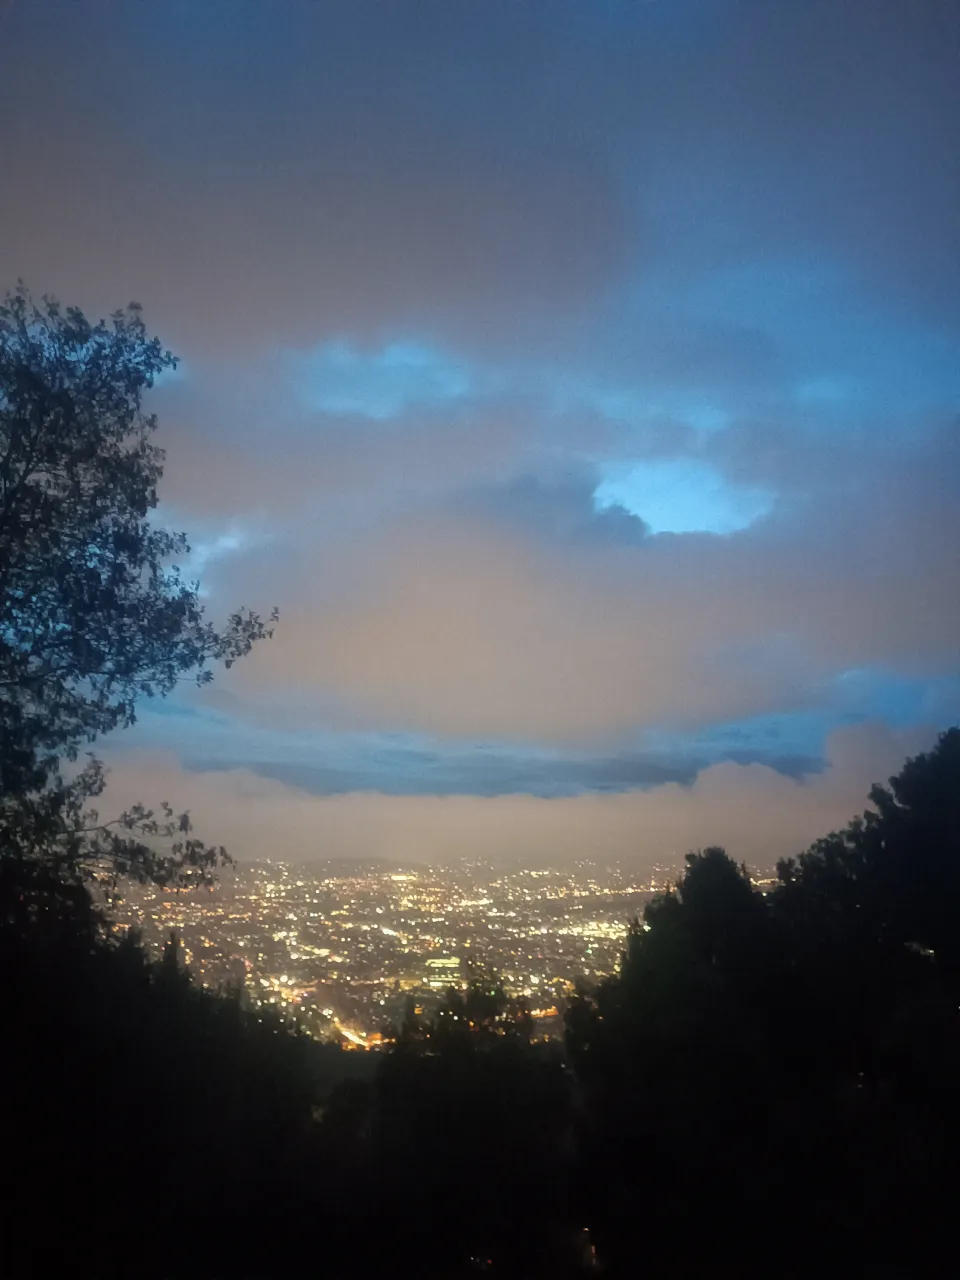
(269, 175)
(491, 172)
(760, 813)
(408, 772)
(558, 509)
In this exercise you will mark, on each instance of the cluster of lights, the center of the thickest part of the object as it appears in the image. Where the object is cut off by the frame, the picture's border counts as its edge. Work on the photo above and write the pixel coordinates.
(343, 951)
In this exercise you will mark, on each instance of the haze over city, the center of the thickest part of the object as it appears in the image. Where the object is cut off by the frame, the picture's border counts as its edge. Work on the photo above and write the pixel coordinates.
(580, 380)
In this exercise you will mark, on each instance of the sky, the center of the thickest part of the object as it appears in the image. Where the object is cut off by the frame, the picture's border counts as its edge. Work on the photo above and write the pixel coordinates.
(580, 378)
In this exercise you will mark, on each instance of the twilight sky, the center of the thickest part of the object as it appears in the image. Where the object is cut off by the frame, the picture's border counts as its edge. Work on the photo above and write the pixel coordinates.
(581, 378)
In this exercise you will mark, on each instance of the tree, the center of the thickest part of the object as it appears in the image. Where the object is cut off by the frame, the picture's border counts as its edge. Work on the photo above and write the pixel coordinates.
(890, 880)
(94, 611)
(787, 1059)
(134, 1097)
(672, 1053)
(471, 1117)
(870, 916)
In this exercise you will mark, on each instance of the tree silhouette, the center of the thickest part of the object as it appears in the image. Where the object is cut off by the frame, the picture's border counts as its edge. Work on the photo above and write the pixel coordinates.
(94, 615)
(471, 1121)
(772, 1080)
(141, 1110)
(891, 878)
(673, 1057)
(94, 612)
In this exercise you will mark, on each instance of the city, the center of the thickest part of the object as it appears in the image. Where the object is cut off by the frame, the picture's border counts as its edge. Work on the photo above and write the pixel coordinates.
(342, 948)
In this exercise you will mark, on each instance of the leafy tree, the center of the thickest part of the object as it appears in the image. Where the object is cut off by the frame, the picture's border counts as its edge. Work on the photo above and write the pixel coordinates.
(469, 1122)
(673, 1058)
(131, 1095)
(870, 917)
(94, 611)
(141, 1110)
(476, 1017)
(763, 1062)
(891, 878)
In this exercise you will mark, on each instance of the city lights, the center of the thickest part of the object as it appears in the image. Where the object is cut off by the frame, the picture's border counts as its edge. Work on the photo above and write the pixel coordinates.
(342, 951)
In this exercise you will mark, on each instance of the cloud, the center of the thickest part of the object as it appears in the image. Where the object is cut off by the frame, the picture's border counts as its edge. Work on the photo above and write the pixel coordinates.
(290, 174)
(491, 175)
(214, 731)
(339, 378)
(467, 620)
(757, 813)
(448, 279)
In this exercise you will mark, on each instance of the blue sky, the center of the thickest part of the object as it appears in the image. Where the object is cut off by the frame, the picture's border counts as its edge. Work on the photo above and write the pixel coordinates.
(581, 381)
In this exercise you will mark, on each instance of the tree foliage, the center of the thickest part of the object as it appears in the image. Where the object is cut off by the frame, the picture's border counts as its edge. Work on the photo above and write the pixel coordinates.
(763, 1061)
(143, 1114)
(95, 613)
(891, 879)
(468, 1113)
